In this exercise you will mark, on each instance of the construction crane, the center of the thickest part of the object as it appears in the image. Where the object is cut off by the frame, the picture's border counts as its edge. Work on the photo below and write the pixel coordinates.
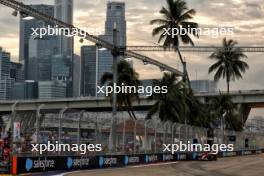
(26, 10)
(206, 49)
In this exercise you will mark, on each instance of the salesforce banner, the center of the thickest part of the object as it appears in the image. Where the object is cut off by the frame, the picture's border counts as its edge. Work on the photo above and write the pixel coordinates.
(68, 163)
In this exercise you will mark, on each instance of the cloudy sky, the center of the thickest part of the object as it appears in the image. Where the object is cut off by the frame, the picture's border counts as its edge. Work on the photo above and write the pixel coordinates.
(245, 16)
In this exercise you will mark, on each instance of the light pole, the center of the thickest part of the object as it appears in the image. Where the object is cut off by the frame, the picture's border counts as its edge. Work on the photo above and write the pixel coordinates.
(115, 61)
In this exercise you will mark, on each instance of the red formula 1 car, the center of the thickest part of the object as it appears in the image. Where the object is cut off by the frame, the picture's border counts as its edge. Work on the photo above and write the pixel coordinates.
(206, 156)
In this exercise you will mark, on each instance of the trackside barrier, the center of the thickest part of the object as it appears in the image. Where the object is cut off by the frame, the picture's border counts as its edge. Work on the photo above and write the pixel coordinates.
(23, 165)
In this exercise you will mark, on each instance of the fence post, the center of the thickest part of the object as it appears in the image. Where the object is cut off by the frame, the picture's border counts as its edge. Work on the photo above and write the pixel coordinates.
(135, 135)
(156, 137)
(124, 135)
(38, 121)
(172, 131)
(80, 115)
(60, 122)
(145, 139)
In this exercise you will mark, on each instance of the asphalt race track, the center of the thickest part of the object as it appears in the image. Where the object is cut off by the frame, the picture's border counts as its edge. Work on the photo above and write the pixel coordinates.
(233, 166)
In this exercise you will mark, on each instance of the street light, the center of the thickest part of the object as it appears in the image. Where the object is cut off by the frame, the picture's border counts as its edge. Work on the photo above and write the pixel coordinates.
(114, 104)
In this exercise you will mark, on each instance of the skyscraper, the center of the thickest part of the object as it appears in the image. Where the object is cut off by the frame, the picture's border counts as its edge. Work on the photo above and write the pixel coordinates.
(6, 83)
(4, 64)
(26, 31)
(115, 15)
(16, 72)
(95, 62)
(76, 75)
(39, 56)
(64, 12)
(88, 70)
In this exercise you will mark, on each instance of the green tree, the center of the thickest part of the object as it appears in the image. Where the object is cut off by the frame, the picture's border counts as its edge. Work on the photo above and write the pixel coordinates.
(179, 103)
(127, 76)
(170, 106)
(221, 107)
(176, 16)
(198, 112)
(228, 63)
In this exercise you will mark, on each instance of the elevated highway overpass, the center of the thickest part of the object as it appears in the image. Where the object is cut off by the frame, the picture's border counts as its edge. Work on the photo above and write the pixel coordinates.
(245, 99)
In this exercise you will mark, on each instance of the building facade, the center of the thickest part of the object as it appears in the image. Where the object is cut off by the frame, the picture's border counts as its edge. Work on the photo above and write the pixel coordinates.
(96, 62)
(203, 86)
(6, 83)
(76, 75)
(25, 90)
(64, 12)
(16, 72)
(40, 56)
(115, 17)
(51, 89)
(25, 32)
(89, 67)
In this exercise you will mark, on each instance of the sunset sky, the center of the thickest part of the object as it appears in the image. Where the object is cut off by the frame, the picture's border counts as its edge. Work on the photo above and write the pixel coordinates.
(245, 16)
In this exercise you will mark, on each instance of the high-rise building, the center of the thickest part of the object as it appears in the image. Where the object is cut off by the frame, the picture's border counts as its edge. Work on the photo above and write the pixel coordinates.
(16, 72)
(25, 90)
(76, 75)
(88, 70)
(203, 86)
(51, 89)
(4, 64)
(40, 54)
(96, 62)
(60, 68)
(64, 12)
(6, 86)
(105, 64)
(6, 83)
(115, 15)
(25, 28)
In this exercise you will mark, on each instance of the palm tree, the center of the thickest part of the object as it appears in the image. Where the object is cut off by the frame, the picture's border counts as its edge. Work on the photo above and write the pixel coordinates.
(223, 106)
(127, 76)
(228, 64)
(175, 16)
(198, 112)
(170, 106)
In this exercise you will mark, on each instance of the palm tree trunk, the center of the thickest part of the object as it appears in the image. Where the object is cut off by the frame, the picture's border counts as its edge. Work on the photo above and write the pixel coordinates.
(228, 85)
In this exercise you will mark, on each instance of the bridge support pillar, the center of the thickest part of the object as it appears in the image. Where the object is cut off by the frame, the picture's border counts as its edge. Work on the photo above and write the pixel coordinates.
(244, 111)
